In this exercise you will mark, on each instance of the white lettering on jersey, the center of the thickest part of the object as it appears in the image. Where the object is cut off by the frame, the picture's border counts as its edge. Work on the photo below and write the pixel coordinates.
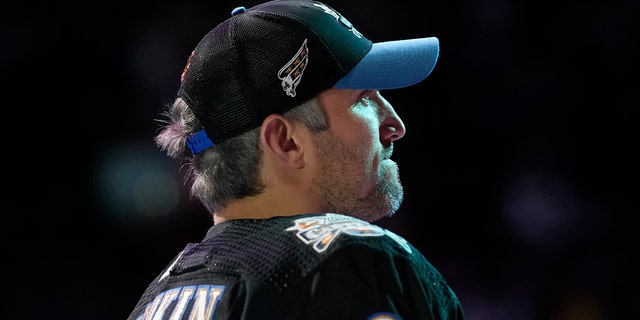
(188, 302)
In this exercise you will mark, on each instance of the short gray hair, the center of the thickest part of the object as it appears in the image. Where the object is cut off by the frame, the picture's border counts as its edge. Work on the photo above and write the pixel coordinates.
(230, 170)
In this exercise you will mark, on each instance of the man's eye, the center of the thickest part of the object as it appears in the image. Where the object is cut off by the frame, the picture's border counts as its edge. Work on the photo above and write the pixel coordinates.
(366, 98)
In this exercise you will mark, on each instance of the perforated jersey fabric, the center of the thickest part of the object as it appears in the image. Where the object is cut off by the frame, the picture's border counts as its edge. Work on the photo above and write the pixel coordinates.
(312, 266)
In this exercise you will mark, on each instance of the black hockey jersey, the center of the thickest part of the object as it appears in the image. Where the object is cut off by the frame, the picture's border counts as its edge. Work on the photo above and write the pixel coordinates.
(313, 266)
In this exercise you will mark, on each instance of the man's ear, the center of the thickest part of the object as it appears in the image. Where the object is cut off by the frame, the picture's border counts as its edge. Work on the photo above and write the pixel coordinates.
(279, 138)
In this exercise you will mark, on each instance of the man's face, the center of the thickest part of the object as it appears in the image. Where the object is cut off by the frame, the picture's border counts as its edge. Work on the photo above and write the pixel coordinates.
(357, 176)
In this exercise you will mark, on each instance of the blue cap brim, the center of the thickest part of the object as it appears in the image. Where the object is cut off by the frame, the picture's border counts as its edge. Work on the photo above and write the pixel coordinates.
(393, 64)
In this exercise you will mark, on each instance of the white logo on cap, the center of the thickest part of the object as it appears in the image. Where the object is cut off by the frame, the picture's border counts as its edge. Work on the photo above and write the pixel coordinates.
(340, 19)
(291, 73)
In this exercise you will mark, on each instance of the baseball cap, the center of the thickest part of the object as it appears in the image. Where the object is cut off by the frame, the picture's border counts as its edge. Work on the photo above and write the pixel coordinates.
(274, 56)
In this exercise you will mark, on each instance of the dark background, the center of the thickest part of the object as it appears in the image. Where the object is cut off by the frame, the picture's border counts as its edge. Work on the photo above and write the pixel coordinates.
(520, 162)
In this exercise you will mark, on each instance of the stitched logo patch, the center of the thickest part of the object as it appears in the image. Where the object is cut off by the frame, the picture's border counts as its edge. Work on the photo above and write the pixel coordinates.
(320, 231)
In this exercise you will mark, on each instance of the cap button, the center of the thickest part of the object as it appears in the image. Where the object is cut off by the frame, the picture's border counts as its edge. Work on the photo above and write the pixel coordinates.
(238, 10)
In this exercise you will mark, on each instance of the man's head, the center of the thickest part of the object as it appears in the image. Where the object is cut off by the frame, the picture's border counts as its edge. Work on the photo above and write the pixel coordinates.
(276, 55)
(283, 99)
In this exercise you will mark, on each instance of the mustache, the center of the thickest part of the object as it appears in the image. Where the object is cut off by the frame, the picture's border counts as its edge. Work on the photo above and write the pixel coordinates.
(387, 152)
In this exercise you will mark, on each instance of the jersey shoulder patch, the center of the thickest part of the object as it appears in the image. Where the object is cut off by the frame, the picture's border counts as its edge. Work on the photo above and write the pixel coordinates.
(320, 231)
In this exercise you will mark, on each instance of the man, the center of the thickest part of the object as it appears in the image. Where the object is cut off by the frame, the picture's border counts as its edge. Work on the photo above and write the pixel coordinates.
(289, 144)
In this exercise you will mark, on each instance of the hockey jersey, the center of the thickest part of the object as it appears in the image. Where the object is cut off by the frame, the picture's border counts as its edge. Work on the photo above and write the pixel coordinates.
(312, 266)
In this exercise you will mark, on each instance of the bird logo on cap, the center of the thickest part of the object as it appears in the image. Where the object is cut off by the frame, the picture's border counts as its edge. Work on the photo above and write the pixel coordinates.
(291, 73)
